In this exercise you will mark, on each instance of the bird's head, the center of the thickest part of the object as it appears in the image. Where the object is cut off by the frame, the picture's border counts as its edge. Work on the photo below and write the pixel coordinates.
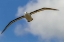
(25, 12)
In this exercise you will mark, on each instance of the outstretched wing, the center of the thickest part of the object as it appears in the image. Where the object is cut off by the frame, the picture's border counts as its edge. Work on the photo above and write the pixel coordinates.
(12, 22)
(42, 9)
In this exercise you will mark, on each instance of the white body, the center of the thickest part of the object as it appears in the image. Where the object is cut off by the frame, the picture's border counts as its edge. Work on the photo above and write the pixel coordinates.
(28, 17)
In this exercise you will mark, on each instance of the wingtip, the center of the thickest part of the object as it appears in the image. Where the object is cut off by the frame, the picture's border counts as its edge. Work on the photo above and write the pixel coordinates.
(1, 32)
(57, 10)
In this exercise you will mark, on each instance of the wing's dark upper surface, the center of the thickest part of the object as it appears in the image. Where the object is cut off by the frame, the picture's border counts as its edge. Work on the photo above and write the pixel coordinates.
(12, 22)
(42, 9)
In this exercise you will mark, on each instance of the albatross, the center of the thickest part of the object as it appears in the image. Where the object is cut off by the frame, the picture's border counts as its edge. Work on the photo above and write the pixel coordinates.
(27, 16)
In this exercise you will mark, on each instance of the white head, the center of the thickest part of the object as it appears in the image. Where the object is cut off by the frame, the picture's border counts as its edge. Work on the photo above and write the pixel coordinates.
(25, 12)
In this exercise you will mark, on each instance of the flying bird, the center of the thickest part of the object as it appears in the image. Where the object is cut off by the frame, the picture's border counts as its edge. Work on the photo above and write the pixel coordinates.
(27, 16)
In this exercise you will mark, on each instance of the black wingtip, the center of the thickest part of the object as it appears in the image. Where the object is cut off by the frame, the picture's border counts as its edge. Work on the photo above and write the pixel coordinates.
(1, 32)
(56, 9)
